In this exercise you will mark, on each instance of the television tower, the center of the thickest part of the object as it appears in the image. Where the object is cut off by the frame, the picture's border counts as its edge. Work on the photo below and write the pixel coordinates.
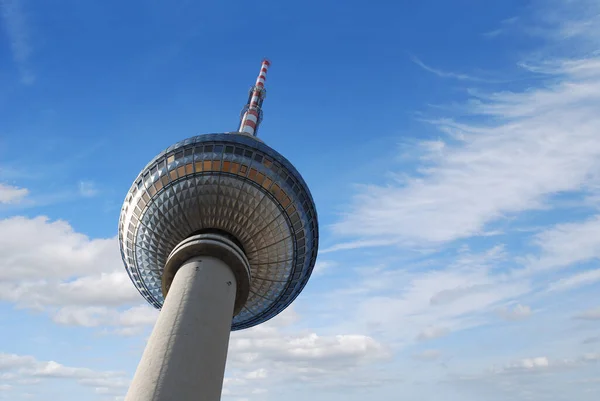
(219, 232)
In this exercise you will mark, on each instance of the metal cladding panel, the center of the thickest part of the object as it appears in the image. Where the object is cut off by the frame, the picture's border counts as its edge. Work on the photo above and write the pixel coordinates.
(230, 182)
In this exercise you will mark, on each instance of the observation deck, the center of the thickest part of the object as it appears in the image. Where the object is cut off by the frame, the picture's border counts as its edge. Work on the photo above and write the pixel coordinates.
(235, 185)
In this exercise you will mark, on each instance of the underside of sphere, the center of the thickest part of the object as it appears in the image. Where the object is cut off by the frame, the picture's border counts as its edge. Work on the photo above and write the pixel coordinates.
(232, 184)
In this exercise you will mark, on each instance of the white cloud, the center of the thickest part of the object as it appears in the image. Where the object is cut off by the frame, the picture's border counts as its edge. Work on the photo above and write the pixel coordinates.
(112, 289)
(10, 194)
(26, 370)
(125, 322)
(10, 361)
(340, 350)
(527, 364)
(518, 312)
(276, 355)
(575, 281)
(48, 266)
(38, 248)
(278, 352)
(37, 251)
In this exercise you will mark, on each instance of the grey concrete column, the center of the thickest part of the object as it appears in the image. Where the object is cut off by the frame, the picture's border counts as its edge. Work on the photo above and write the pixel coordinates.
(184, 359)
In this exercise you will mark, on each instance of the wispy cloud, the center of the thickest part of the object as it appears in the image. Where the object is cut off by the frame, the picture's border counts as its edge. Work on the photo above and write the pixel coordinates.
(566, 244)
(575, 281)
(448, 74)
(344, 246)
(493, 33)
(504, 26)
(572, 22)
(510, 20)
(407, 304)
(535, 143)
(15, 23)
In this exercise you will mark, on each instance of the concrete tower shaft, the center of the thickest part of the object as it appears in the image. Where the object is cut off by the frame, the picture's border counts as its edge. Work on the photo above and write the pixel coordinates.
(186, 352)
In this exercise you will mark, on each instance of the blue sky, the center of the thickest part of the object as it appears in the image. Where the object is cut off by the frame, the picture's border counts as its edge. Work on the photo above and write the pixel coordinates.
(452, 150)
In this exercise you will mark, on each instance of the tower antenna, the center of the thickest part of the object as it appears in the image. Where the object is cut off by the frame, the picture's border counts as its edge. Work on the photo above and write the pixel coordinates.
(252, 113)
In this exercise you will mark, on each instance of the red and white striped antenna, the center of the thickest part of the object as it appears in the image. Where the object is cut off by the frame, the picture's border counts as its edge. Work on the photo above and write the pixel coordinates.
(252, 113)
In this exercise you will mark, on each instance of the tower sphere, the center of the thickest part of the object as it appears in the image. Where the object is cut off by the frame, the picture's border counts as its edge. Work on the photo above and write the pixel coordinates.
(233, 185)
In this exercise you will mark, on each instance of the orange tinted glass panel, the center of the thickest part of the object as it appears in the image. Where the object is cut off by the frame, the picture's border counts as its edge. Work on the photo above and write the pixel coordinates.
(275, 189)
(267, 183)
(252, 174)
(281, 195)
